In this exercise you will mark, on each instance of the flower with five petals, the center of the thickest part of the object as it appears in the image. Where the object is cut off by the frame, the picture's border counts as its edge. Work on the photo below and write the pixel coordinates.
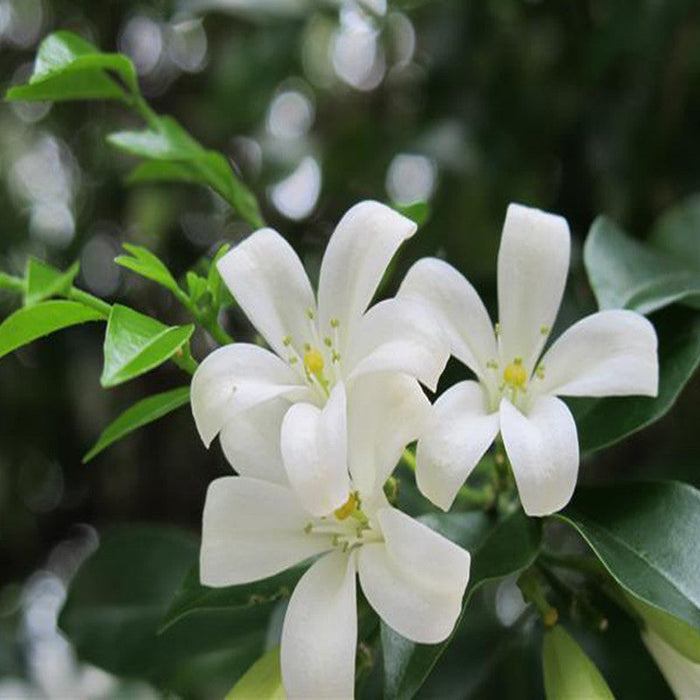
(610, 353)
(242, 391)
(254, 528)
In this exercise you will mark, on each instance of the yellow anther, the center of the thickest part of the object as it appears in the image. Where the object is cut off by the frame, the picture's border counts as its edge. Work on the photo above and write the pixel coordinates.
(335, 323)
(347, 509)
(310, 313)
(313, 362)
(515, 374)
(287, 340)
(327, 342)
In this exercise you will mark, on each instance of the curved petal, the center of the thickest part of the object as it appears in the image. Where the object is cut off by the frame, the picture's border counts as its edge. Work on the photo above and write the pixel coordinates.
(397, 336)
(610, 353)
(533, 262)
(251, 441)
(385, 413)
(252, 529)
(269, 283)
(543, 451)
(460, 430)
(458, 310)
(358, 253)
(319, 635)
(315, 453)
(237, 377)
(415, 579)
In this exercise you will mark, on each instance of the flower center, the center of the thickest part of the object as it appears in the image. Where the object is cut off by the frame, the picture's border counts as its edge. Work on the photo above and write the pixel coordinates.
(514, 374)
(349, 527)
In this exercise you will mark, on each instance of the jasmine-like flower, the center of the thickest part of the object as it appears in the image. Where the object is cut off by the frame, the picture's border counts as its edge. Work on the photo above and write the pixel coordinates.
(242, 391)
(253, 528)
(610, 353)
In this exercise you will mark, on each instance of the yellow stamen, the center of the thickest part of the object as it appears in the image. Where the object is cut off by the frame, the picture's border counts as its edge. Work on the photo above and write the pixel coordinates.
(313, 361)
(515, 374)
(347, 509)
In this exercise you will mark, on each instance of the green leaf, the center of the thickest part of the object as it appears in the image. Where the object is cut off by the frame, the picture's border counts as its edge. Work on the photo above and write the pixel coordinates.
(118, 597)
(262, 681)
(602, 422)
(67, 68)
(174, 155)
(498, 548)
(627, 274)
(44, 281)
(646, 536)
(568, 672)
(32, 322)
(135, 344)
(142, 413)
(680, 635)
(144, 263)
(676, 231)
(214, 280)
(418, 212)
(192, 596)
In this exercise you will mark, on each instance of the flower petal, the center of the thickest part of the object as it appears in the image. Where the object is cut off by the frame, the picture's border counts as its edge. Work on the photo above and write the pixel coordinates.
(610, 353)
(251, 441)
(460, 430)
(315, 453)
(269, 283)
(400, 336)
(319, 635)
(458, 310)
(533, 262)
(252, 529)
(358, 253)
(415, 579)
(543, 450)
(385, 413)
(237, 377)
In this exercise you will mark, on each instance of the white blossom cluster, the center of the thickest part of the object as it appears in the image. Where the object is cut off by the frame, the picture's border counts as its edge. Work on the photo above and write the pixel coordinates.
(315, 426)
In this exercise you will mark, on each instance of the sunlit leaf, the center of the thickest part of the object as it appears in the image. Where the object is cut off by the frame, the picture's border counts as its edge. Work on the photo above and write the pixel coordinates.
(142, 413)
(67, 68)
(44, 281)
(32, 322)
(148, 265)
(135, 344)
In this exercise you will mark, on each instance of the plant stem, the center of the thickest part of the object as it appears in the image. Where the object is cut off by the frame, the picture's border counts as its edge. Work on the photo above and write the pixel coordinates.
(11, 283)
(583, 564)
(531, 588)
(102, 307)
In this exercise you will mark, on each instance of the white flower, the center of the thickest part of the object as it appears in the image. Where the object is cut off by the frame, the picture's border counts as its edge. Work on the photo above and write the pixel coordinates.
(316, 347)
(610, 353)
(681, 673)
(253, 528)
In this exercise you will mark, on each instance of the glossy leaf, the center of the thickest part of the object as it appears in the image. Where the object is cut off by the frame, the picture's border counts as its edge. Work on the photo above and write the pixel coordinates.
(677, 231)
(148, 265)
(142, 413)
(192, 596)
(627, 274)
(602, 422)
(645, 534)
(67, 67)
(135, 344)
(118, 597)
(44, 281)
(568, 672)
(498, 548)
(680, 635)
(262, 681)
(418, 212)
(33, 322)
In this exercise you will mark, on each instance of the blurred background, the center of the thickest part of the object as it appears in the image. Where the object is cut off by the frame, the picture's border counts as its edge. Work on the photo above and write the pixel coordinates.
(575, 107)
